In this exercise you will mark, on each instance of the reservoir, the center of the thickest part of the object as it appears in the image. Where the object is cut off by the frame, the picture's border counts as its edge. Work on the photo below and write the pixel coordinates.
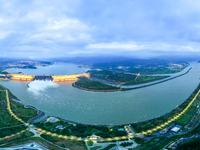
(122, 107)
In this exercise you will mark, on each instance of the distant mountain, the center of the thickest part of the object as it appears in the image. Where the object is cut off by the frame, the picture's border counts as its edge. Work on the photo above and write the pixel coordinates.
(91, 60)
(103, 61)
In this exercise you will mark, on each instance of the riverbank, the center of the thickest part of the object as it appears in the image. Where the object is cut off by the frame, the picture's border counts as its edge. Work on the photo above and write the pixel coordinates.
(82, 128)
(126, 89)
(143, 126)
(111, 131)
(145, 79)
(24, 108)
(96, 86)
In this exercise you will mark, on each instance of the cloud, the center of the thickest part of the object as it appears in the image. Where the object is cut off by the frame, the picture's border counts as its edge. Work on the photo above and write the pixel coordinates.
(64, 27)
(133, 46)
(113, 45)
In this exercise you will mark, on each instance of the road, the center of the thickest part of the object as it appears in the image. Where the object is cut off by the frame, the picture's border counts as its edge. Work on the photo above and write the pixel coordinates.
(101, 139)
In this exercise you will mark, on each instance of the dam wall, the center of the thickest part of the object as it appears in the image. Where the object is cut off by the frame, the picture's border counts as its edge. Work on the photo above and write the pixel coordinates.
(57, 78)
(21, 77)
(70, 77)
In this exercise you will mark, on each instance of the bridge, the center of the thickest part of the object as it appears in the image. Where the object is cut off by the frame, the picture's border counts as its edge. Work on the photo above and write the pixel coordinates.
(56, 78)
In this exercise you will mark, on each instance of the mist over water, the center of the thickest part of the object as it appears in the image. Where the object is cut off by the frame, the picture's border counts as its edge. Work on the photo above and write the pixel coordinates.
(39, 86)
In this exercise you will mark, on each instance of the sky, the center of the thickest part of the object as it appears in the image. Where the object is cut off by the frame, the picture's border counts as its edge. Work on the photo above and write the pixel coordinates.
(65, 28)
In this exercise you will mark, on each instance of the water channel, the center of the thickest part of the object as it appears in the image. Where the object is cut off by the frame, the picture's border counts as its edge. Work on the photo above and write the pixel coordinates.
(67, 102)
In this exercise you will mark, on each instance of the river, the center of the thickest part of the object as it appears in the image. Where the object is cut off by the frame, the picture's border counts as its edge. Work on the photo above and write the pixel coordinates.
(122, 107)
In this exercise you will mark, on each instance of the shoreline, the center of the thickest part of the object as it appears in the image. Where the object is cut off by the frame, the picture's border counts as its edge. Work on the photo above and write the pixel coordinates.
(41, 114)
(126, 89)
(73, 84)
(131, 123)
(146, 81)
(123, 124)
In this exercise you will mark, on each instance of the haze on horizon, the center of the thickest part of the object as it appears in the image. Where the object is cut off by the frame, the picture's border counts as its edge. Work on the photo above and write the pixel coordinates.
(65, 28)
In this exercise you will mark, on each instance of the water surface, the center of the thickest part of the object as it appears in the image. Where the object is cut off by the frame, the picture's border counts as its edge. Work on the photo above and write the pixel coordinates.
(65, 101)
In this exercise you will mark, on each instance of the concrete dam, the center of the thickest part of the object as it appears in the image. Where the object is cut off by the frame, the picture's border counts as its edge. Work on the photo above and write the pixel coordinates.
(56, 78)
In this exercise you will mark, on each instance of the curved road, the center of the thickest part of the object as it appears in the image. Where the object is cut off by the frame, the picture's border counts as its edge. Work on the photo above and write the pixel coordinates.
(101, 139)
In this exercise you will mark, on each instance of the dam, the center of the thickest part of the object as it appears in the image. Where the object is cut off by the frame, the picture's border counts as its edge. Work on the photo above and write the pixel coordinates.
(56, 78)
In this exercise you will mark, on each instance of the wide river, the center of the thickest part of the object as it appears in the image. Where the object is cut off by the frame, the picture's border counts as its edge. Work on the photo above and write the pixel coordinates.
(67, 102)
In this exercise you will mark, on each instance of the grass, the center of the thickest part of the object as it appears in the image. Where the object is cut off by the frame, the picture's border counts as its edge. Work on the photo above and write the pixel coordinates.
(14, 138)
(5, 118)
(127, 79)
(121, 77)
(146, 125)
(144, 79)
(109, 147)
(89, 143)
(40, 141)
(95, 147)
(86, 84)
(24, 113)
(190, 145)
(81, 130)
(187, 120)
(71, 144)
(8, 131)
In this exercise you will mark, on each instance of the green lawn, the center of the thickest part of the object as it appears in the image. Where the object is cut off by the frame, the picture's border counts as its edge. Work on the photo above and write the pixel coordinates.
(71, 144)
(24, 113)
(144, 79)
(5, 118)
(17, 137)
(8, 131)
(87, 84)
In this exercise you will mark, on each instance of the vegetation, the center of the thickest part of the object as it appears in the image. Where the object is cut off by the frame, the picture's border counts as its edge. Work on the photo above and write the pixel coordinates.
(154, 70)
(109, 147)
(12, 130)
(81, 130)
(151, 66)
(89, 143)
(125, 144)
(5, 118)
(190, 145)
(89, 84)
(86, 84)
(30, 139)
(190, 118)
(146, 125)
(71, 144)
(124, 78)
(145, 79)
(17, 137)
(24, 113)
(111, 75)
(95, 147)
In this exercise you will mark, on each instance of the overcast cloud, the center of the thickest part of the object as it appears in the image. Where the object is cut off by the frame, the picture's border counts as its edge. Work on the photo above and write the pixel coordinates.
(62, 28)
